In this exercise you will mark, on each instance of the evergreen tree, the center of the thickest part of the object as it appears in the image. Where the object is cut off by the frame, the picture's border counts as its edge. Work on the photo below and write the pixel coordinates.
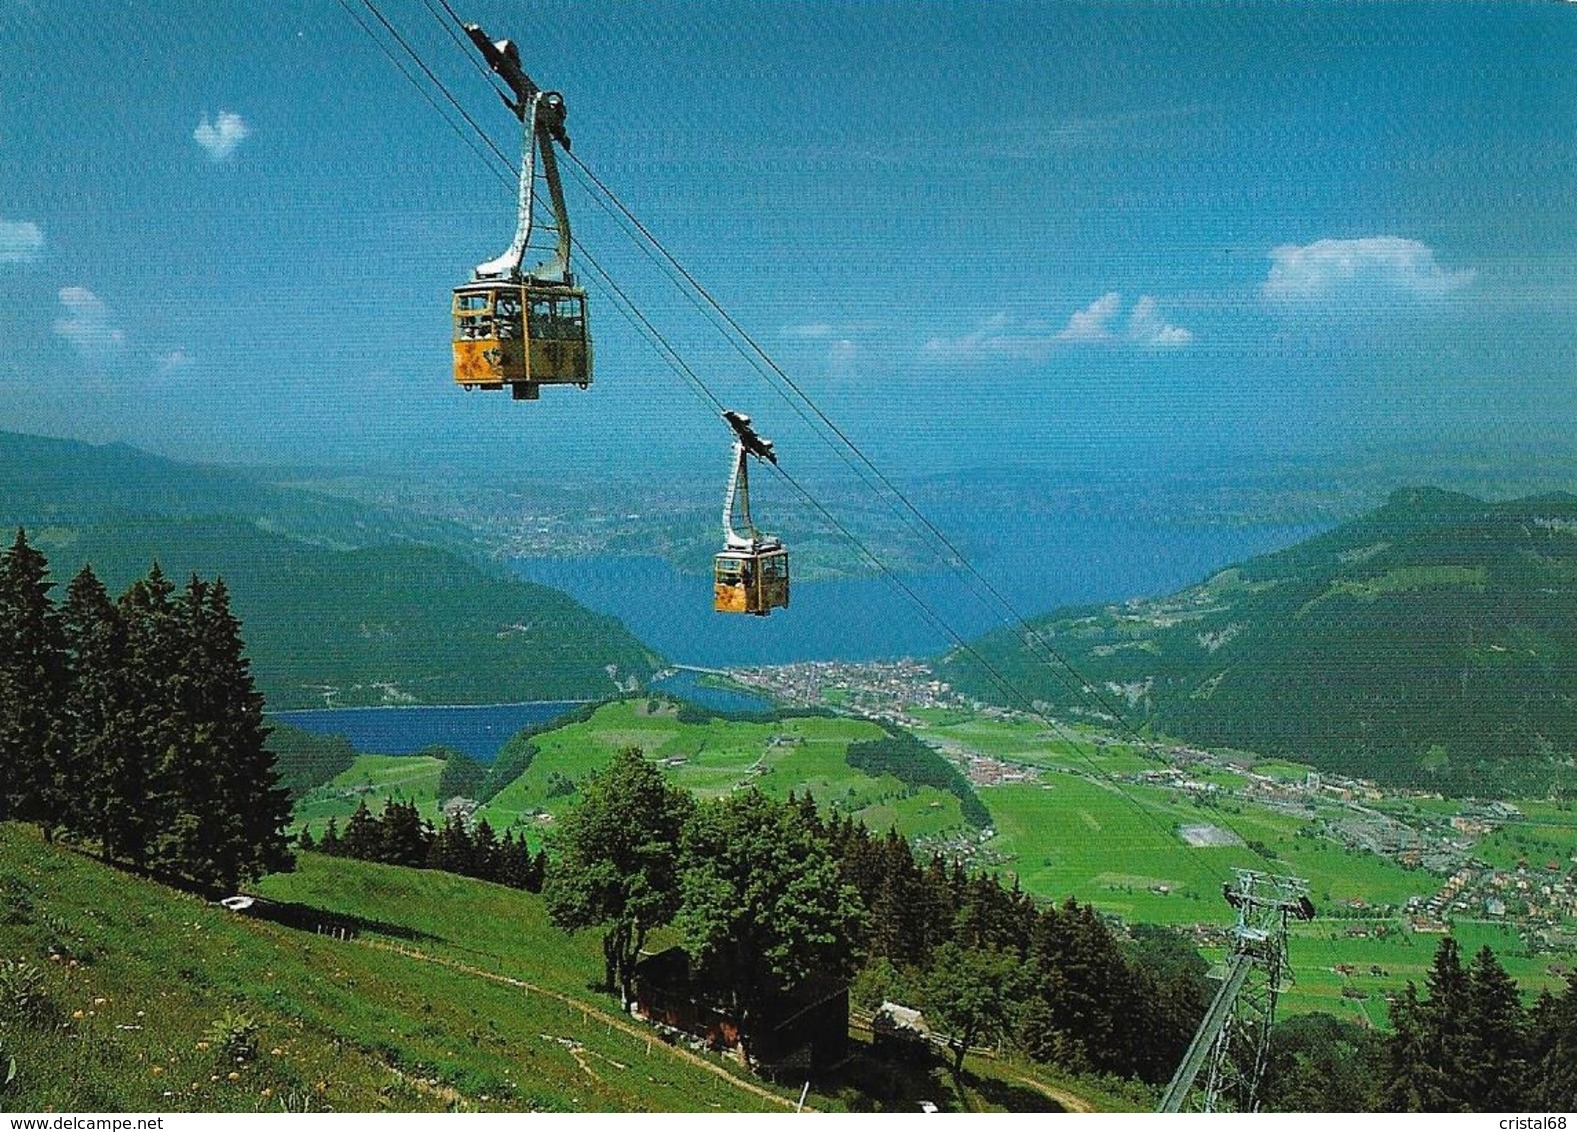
(363, 838)
(1552, 1073)
(258, 805)
(95, 704)
(451, 848)
(484, 852)
(140, 798)
(406, 838)
(304, 840)
(514, 861)
(1495, 1029)
(331, 845)
(1426, 1056)
(32, 687)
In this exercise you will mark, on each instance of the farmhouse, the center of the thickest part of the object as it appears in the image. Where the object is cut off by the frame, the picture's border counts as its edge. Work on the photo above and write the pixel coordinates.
(808, 1032)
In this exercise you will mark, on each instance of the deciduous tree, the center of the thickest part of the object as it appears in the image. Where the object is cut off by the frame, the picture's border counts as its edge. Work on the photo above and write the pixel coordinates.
(618, 863)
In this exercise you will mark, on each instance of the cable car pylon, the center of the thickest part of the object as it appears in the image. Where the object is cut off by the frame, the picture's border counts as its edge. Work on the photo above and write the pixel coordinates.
(524, 329)
(1232, 1043)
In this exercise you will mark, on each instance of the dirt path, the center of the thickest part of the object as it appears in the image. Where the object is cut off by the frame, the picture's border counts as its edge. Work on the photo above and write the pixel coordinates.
(617, 1020)
(1069, 1101)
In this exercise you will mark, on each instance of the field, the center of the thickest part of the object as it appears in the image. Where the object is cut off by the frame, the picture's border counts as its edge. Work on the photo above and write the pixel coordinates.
(713, 758)
(1145, 852)
(372, 778)
(455, 996)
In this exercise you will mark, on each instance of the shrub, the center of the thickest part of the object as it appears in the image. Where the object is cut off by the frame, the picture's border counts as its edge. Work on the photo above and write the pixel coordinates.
(22, 993)
(234, 1035)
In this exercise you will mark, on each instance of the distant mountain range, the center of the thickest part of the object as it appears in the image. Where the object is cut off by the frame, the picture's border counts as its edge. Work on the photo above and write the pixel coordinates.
(1430, 642)
(341, 603)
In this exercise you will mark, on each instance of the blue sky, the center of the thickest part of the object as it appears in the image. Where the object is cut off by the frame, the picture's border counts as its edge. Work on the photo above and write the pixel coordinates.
(1056, 233)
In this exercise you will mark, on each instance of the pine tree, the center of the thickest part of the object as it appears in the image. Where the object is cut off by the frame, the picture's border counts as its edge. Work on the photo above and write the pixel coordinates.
(250, 841)
(1553, 1051)
(1495, 1028)
(304, 840)
(140, 799)
(484, 852)
(363, 838)
(32, 686)
(330, 845)
(95, 703)
(451, 849)
(406, 838)
(1426, 1056)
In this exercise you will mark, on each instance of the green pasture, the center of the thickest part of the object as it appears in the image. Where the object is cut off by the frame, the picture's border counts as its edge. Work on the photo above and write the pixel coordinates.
(1069, 835)
(372, 778)
(1545, 833)
(137, 976)
(709, 759)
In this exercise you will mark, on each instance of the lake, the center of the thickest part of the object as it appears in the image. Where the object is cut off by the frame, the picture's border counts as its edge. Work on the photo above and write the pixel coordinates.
(476, 731)
(875, 618)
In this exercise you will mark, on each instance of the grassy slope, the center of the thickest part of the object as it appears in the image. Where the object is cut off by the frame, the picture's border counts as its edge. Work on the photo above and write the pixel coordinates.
(1073, 833)
(460, 997)
(356, 1026)
(713, 758)
(373, 779)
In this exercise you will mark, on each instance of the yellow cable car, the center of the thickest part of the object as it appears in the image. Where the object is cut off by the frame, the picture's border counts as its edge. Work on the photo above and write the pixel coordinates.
(523, 335)
(524, 329)
(751, 581)
(751, 575)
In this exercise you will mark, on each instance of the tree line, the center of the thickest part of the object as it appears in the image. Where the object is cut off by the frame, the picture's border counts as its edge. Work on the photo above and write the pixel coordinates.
(400, 836)
(766, 893)
(134, 723)
(1467, 1043)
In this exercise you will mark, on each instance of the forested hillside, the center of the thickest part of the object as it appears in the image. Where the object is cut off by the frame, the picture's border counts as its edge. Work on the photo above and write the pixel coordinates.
(1432, 641)
(341, 605)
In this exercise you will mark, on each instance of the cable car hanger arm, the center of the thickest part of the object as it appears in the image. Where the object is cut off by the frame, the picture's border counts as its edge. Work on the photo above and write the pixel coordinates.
(542, 114)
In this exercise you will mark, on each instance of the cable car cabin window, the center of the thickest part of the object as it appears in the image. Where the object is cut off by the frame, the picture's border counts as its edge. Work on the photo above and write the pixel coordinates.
(774, 567)
(729, 572)
(558, 318)
(507, 316)
(473, 316)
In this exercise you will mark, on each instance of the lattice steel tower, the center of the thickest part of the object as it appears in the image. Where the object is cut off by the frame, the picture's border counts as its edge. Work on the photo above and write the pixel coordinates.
(1233, 1040)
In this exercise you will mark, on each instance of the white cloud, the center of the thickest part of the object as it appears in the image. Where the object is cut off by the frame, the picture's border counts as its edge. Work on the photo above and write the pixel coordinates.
(86, 325)
(814, 331)
(1147, 328)
(220, 137)
(1093, 323)
(1335, 270)
(174, 361)
(1029, 339)
(21, 241)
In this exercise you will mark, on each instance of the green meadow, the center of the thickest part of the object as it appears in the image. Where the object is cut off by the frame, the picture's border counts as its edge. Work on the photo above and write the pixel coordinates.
(140, 980)
(456, 995)
(1075, 830)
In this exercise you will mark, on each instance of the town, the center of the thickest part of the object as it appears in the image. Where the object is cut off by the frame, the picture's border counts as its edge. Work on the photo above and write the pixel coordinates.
(1535, 895)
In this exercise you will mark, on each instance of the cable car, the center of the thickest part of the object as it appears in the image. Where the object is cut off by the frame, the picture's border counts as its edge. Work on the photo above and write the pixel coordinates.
(751, 575)
(511, 327)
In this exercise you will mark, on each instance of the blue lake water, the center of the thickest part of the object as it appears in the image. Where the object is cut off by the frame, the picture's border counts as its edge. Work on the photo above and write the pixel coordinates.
(882, 618)
(475, 731)
(844, 619)
(688, 686)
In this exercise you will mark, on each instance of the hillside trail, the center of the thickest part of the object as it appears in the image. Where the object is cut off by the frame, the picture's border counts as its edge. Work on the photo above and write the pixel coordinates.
(589, 1012)
(1072, 1102)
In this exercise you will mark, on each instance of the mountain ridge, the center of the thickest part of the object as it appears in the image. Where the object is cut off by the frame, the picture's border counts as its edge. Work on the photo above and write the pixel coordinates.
(1431, 642)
